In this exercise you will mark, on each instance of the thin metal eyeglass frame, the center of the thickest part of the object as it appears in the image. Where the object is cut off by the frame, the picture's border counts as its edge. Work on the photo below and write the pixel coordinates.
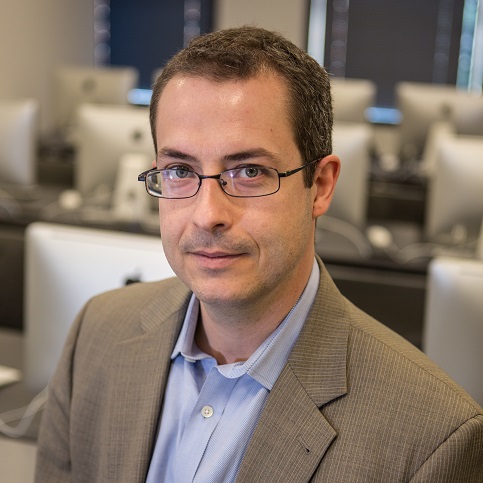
(285, 174)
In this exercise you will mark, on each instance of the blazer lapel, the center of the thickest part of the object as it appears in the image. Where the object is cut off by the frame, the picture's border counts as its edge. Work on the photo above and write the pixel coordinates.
(140, 367)
(292, 435)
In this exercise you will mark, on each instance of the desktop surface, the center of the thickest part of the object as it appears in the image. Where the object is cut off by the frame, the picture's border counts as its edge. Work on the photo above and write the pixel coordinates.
(17, 461)
(17, 456)
(16, 395)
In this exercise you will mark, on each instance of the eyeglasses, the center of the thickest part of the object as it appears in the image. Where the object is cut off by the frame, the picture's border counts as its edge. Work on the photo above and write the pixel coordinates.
(250, 181)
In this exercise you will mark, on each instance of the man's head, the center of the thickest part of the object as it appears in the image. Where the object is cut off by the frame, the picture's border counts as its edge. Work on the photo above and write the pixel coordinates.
(214, 111)
(244, 53)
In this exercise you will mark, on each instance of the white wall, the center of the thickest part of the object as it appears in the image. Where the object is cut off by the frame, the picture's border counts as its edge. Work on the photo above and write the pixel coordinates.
(288, 17)
(35, 37)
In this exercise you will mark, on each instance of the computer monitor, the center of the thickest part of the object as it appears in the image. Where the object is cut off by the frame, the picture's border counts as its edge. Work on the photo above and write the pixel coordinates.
(64, 267)
(352, 142)
(479, 243)
(468, 114)
(453, 323)
(104, 135)
(455, 193)
(352, 98)
(422, 104)
(77, 85)
(18, 141)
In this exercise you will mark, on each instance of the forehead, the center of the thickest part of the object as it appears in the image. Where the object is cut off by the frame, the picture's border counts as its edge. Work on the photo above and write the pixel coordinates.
(202, 109)
(268, 87)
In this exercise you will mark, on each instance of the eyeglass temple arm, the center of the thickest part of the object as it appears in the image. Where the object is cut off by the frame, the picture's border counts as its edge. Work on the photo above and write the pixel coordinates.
(296, 170)
(142, 176)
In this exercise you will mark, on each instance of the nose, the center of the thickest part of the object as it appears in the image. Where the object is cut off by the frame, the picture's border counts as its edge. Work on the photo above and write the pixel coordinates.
(213, 210)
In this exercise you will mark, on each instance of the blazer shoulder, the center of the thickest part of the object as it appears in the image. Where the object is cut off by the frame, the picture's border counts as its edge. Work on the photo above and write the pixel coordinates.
(403, 368)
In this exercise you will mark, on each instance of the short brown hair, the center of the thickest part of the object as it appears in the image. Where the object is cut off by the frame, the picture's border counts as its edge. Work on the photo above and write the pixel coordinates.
(244, 53)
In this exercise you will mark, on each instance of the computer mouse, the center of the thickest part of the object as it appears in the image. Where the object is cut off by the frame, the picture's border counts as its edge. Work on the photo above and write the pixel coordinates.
(379, 236)
(70, 199)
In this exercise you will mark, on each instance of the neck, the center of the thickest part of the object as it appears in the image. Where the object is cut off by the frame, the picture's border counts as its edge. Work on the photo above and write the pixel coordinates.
(229, 340)
(233, 334)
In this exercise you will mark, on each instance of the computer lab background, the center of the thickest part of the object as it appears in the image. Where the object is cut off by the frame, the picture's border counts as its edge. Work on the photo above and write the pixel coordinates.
(403, 236)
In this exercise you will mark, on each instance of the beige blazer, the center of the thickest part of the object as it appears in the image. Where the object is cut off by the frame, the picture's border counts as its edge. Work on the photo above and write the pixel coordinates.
(354, 403)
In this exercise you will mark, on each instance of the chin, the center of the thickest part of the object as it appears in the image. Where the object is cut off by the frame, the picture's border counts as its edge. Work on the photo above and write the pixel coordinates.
(221, 294)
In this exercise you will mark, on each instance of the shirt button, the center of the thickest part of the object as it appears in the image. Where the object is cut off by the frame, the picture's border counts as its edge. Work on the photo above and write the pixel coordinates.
(207, 411)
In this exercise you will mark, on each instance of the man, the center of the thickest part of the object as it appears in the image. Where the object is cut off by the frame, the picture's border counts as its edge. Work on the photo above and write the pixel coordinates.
(250, 366)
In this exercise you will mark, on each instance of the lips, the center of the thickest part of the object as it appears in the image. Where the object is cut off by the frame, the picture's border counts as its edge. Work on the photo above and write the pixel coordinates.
(207, 254)
(213, 246)
(214, 260)
(214, 251)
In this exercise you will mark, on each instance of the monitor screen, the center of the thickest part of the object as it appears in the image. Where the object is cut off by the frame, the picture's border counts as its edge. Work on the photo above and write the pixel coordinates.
(352, 142)
(422, 104)
(18, 141)
(352, 98)
(105, 134)
(468, 115)
(455, 194)
(453, 325)
(65, 266)
(76, 85)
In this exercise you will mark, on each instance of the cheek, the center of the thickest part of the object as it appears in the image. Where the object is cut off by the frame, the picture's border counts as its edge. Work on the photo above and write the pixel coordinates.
(171, 227)
(278, 230)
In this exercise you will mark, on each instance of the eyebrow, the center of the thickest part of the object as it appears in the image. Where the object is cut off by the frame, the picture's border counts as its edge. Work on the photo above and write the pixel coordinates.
(238, 156)
(249, 154)
(174, 153)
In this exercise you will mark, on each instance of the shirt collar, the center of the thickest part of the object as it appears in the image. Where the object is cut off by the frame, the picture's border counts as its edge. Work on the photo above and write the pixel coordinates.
(267, 362)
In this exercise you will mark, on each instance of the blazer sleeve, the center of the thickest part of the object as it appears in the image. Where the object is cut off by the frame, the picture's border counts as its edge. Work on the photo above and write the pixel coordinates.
(53, 463)
(458, 458)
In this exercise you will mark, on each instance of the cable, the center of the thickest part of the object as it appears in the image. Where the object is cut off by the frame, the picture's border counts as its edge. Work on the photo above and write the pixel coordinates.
(24, 415)
(9, 204)
(350, 232)
(428, 250)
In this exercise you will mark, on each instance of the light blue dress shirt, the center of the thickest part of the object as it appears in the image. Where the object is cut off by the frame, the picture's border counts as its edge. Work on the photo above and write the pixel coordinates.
(210, 411)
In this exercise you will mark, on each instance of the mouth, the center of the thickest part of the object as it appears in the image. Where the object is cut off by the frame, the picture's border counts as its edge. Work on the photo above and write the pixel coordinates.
(215, 259)
(216, 254)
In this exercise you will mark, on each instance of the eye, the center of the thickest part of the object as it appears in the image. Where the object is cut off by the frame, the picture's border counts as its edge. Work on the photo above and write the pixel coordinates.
(180, 171)
(251, 172)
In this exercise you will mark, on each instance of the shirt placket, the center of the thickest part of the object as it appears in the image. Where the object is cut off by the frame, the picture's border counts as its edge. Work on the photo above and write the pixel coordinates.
(205, 417)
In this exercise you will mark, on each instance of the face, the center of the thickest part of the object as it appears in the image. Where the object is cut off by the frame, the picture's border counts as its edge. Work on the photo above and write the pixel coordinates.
(237, 251)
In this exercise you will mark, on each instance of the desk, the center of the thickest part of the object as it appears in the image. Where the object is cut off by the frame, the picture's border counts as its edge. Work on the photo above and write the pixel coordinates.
(17, 456)
(17, 461)
(15, 395)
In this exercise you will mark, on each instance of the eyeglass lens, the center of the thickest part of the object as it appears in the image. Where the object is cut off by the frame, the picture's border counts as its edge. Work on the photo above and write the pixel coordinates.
(250, 181)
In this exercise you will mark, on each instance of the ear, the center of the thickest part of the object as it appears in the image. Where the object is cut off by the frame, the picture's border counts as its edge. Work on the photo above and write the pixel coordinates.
(153, 164)
(325, 179)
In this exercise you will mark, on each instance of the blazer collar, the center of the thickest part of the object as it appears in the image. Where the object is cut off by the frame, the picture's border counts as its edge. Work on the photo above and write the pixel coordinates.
(292, 433)
(134, 403)
(319, 358)
(173, 300)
